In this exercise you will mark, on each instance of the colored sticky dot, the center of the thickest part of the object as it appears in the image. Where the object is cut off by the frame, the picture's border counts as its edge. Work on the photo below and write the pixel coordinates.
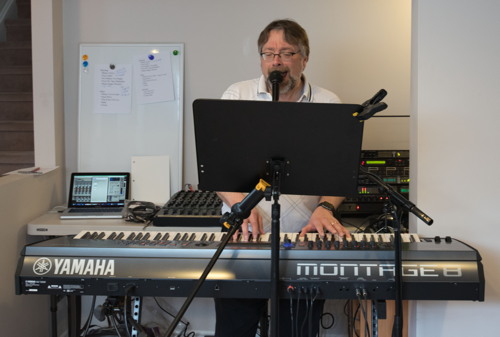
(85, 64)
(85, 57)
(112, 66)
(151, 57)
(175, 52)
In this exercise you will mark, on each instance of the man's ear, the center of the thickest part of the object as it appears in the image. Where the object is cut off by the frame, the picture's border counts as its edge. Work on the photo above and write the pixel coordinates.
(304, 63)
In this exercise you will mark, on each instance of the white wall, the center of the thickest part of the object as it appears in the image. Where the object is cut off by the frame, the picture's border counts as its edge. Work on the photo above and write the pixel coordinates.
(24, 198)
(358, 47)
(48, 109)
(454, 143)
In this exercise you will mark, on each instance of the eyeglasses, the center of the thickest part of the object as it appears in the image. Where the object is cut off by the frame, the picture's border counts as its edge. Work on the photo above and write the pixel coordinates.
(284, 56)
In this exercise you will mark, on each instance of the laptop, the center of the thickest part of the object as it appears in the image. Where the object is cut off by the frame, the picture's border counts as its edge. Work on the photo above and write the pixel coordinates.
(97, 195)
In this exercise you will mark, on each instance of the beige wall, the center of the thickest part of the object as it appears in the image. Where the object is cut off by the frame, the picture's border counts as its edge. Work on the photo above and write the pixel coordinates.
(23, 198)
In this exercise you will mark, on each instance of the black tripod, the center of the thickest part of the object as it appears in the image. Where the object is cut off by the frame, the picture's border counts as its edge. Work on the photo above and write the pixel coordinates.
(397, 200)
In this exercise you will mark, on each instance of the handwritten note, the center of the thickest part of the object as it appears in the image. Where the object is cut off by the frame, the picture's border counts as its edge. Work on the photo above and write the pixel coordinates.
(153, 78)
(112, 87)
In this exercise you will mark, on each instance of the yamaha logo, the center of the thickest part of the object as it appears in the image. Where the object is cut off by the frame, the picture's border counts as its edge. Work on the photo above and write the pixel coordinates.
(91, 267)
(42, 266)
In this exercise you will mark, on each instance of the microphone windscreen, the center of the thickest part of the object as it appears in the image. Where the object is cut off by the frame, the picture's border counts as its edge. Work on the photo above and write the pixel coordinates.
(276, 76)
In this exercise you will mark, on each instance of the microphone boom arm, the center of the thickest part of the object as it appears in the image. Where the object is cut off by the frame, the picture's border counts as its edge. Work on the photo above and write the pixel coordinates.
(397, 198)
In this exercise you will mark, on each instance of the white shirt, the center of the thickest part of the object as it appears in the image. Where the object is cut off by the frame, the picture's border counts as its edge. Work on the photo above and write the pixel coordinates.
(295, 209)
(256, 90)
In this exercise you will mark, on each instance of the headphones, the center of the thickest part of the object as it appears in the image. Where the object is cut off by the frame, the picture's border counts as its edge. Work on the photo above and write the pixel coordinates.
(140, 211)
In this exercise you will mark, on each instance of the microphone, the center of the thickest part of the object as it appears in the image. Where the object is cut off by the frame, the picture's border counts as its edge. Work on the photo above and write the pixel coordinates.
(276, 77)
(408, 205)
(242, 209)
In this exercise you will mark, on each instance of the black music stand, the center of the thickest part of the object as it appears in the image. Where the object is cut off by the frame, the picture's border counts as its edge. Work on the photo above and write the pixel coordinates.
(305, 149)
(320, 143)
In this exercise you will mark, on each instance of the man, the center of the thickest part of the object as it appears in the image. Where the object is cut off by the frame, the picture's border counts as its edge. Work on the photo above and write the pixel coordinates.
(283, 46)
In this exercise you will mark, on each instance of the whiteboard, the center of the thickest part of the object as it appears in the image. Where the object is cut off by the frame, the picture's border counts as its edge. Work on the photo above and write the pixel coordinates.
(130, 104)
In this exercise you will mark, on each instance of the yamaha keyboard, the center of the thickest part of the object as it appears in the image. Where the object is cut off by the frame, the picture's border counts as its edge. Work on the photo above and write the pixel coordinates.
(149, 263)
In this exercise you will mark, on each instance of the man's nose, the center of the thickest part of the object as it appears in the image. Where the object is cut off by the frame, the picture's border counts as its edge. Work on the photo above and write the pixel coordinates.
(276, 59)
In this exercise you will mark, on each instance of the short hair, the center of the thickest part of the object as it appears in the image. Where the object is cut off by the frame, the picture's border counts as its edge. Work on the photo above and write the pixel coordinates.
(294, 34)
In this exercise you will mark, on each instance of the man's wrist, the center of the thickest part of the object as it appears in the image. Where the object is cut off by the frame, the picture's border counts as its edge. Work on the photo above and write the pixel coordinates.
(328, 206)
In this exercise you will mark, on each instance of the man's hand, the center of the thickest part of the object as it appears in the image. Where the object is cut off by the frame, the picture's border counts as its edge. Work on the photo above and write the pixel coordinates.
(322, 220)
(255, 219)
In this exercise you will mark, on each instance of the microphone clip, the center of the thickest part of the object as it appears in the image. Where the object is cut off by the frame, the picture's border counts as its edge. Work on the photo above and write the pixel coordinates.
(241, 210)
(372, 106)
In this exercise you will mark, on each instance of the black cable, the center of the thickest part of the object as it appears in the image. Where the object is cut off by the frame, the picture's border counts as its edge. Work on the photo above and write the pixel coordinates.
(311, 312)
(113, 321)
(314, 299)
(171, 315)
(309, 317)
(168, 313)
(125, 314)
(372, 220)
(297, 314)
(141, 211)
(348, 312)
(186, 324)
(89, 319)
(307, 311)
(355, 315)
(191, 334)
(128, 288)
(349, 224)
(327, 314)
(364, 311)
(292, 323)
(118, 319)
(365, 296)
(346, 307)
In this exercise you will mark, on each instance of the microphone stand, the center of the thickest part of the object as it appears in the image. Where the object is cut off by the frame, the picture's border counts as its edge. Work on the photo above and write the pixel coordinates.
(277, 168)
(397, 199)
(232, 221)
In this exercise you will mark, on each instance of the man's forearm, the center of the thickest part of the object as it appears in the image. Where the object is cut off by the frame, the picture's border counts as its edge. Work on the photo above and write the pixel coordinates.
(230, 198)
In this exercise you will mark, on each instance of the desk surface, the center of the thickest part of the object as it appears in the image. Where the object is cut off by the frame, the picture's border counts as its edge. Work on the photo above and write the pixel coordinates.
(50, 224)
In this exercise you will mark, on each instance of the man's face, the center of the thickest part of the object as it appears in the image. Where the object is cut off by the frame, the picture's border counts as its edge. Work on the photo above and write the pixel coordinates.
(291, 69)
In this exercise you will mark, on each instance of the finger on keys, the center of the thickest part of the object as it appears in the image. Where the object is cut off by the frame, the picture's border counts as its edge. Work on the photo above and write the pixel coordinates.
(244, 231)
